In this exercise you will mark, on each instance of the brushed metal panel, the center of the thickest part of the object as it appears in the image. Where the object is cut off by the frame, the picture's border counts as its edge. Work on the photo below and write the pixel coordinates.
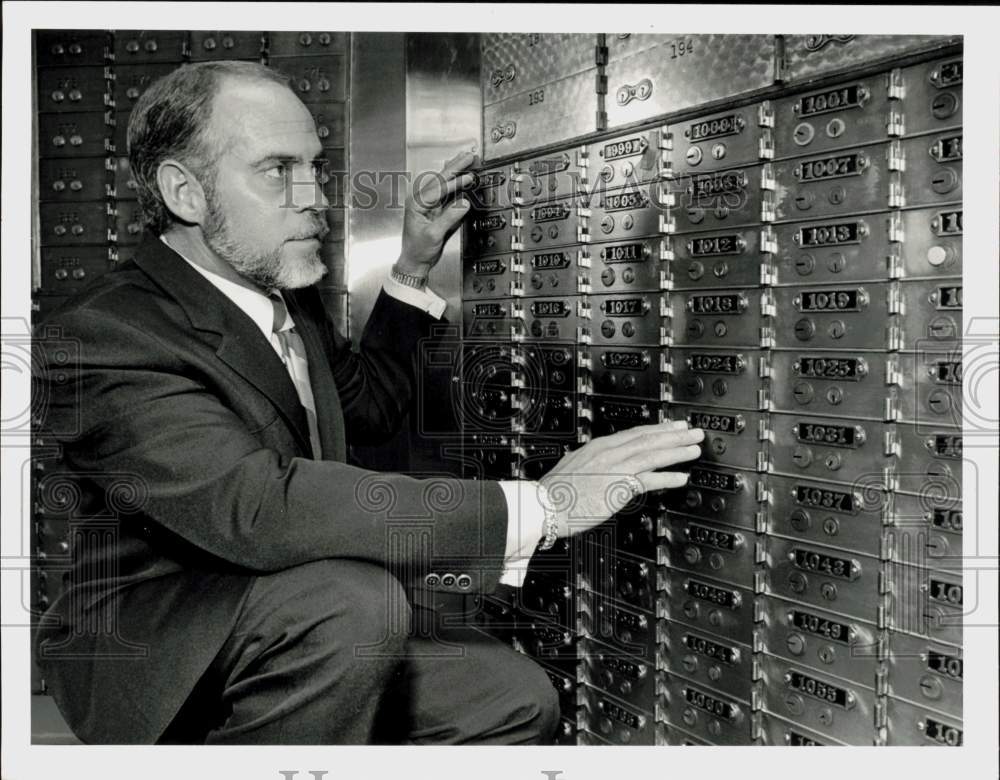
(684, 72)
(516, 62)
(810, 55)
(621, 45)
(558, 111)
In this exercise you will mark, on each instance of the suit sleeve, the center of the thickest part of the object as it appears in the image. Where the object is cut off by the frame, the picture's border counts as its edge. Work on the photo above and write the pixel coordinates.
(129, 410)
(377, 383)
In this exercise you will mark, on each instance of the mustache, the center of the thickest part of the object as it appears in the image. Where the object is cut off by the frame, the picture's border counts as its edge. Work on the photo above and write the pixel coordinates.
(318, 230)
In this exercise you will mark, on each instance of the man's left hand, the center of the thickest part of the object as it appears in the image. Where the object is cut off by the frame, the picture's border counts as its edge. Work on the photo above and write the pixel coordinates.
(433, 214)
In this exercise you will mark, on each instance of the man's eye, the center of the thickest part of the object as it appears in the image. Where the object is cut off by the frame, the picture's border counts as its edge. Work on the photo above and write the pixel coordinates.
(276, 171)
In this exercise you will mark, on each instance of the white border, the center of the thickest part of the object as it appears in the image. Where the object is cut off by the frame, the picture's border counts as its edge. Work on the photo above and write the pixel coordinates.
(21, 761)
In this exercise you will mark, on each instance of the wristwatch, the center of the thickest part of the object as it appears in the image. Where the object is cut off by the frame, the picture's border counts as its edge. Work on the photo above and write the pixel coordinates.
(551, 518)
(417, 282)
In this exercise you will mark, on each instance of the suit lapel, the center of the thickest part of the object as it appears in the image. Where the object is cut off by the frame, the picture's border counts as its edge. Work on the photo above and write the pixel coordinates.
(329, 413)
(242, 346)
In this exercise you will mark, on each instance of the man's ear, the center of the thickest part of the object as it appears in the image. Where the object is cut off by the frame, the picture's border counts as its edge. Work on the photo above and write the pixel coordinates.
(182, 192)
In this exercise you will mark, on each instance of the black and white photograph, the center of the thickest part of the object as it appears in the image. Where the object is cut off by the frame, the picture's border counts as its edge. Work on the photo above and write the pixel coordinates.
(430, 381)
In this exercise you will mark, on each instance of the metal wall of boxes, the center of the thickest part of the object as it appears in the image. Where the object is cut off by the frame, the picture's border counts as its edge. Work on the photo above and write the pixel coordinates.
(87, 214)
(760, 235)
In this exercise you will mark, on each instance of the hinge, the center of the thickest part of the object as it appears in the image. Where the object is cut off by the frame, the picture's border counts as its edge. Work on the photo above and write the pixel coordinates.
(768, 240)
(762, 462)
(601, 84)
(897, 198)
(583, 259)
(894, 299)
(760, 522)
(767, 336)
(768, 272)
(767, 209)
(894, 263)
(759, 556)
(765, 114)
(881, 716)
(894, 84)
(891, 411)
(895, 225)
(763, 399)
(894, 337)
(764, 365)
(768, 307)
(601, 50)
(765, 148)
(767, 177)
(666, 249)
(887, 546)
(890, 442)
(667, 224)
(894, 124)
(893, 376)
(894, 156)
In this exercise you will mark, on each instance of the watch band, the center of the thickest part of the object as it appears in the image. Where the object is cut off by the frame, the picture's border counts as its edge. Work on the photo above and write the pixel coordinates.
(551, 524)
(410, 280)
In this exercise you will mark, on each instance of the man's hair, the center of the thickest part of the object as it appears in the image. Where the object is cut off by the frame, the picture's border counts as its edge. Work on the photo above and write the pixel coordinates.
(171, 120)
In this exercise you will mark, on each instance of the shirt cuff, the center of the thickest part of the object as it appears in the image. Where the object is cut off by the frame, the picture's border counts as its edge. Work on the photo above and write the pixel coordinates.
(425, 300)
(525, 528)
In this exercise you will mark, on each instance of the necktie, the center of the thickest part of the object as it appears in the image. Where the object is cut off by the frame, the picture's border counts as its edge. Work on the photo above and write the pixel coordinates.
(293, 354)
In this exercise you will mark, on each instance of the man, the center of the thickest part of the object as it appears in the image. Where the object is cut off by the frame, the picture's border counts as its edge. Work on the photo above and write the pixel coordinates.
(234, 578)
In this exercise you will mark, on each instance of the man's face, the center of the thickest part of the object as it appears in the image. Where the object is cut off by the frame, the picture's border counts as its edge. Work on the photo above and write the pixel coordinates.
(267, 228)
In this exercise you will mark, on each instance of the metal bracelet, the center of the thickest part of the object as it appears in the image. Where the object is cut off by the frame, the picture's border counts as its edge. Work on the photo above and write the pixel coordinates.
(410, 280)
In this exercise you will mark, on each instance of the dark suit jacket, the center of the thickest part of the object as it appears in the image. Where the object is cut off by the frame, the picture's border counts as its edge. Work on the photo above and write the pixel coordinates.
(190, 454)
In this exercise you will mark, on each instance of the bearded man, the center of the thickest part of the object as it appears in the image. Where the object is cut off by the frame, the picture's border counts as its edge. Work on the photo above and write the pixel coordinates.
(232, 581)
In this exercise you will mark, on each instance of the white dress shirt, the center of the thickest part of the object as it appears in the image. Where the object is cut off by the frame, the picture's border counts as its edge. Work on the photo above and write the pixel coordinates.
(523, 507)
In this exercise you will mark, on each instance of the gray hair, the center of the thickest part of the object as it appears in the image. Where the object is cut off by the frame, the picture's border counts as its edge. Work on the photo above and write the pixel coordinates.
(171, 121)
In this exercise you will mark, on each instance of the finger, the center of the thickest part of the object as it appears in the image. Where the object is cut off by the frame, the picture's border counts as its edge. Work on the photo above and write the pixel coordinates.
(435, 190)
(449, 219)
(655, 437)
(663, 480)
(460, 162)
(648, 460)
(617, 439)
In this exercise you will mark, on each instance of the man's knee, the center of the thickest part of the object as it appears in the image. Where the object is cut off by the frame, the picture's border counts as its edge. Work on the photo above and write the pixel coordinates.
(538, 705)
(335, 601)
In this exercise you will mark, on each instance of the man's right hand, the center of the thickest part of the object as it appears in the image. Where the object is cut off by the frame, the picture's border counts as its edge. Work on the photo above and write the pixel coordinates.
(591, 484)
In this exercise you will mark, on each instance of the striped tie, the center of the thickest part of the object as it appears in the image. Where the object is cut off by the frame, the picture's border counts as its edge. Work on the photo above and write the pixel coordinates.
(293, 354)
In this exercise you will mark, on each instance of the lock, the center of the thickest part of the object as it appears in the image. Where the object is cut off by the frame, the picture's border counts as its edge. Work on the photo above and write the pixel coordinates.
(836, 263)
(944, 105)
(803, 134)
(944, 181)
(805, 329)
(803, 392)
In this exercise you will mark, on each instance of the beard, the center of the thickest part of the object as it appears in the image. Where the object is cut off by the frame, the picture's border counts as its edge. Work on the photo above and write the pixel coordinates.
(265, 267)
